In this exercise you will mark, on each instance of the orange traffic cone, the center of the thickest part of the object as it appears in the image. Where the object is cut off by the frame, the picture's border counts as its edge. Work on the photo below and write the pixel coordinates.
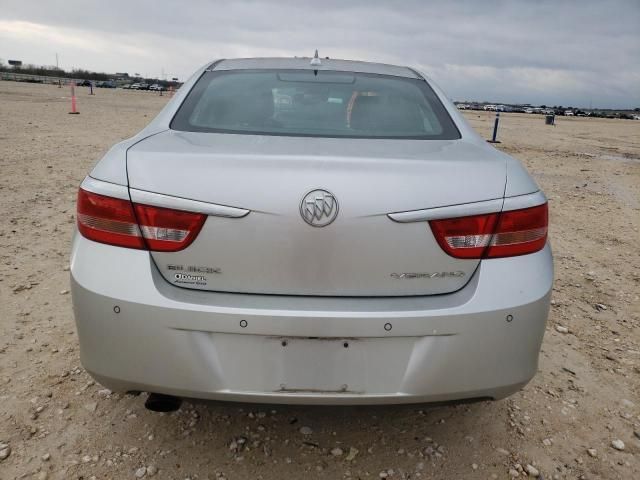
(74, 110)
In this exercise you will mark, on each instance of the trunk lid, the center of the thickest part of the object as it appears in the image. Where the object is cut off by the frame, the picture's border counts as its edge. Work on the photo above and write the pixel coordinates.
(272, 250)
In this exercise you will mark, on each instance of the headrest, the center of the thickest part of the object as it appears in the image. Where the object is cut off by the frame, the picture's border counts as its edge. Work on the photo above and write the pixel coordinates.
(382, 114)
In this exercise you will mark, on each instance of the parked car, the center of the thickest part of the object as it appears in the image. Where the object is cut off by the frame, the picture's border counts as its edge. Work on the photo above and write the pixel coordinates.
(143, 86)
(157, 88)
(84, 83)
(107, 84)
(322, 251)
(127, 86)
(490, 108)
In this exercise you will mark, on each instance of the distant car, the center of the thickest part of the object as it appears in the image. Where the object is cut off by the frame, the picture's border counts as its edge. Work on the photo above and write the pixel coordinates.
(135, 86)
(360, 244)
(157, 88)
(462, 106)
(489, 108)
(568, 113)
(107, 84)
(85, 83)
(126, 86)
(143, 86)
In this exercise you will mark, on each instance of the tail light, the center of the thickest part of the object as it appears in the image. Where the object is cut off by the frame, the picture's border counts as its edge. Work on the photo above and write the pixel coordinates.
(118, 222)
(167, 230)
(505, 234)
(108, 220)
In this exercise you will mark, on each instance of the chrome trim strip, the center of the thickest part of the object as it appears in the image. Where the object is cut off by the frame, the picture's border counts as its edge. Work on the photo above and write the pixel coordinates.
(451, 211)
(524, 201)
(477, 208)
(101, 187)
(179, 203)
(159, 200)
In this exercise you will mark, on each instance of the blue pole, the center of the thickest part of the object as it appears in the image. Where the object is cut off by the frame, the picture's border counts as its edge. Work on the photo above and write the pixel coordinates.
(495, 129)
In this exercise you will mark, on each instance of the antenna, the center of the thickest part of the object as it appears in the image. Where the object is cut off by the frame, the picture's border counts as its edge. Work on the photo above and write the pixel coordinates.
(315, 61)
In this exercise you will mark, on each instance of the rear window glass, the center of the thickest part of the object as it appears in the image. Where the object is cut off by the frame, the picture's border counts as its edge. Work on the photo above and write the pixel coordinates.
(322, 104)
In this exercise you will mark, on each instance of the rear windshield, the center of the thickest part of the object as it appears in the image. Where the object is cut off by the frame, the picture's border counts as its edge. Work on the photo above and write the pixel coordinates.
(314, 104)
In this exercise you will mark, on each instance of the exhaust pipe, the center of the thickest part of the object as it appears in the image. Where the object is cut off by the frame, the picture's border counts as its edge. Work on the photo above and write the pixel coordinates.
(157, 402)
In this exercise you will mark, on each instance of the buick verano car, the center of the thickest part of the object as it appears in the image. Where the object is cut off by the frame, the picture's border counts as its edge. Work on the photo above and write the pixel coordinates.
(310, 231)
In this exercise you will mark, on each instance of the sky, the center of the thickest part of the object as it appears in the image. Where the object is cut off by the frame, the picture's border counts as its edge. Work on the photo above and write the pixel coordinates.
(556, 52)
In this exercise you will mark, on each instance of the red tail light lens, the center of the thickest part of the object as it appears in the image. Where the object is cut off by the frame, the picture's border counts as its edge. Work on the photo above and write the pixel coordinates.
(108, 220)
(465, 237)
(167, 230)
(520, 232)
(505, 234)
(117, 222)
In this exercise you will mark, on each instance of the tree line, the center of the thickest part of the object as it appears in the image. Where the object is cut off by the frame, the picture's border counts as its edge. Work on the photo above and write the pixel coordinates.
(51, 71)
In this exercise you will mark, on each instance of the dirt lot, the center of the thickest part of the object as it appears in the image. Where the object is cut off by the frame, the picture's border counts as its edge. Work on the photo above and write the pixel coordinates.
(59, 424)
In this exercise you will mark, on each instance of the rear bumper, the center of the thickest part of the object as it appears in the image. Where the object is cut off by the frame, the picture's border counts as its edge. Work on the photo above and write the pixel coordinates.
(137, 332)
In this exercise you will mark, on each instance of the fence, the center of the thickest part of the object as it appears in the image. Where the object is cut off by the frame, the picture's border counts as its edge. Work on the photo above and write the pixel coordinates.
(25, 77)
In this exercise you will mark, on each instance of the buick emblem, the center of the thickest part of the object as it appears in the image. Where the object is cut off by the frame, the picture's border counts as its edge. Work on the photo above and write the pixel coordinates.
(319, 208)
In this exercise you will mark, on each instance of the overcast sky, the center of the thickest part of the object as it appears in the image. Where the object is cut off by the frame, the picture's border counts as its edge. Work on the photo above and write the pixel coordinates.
(577, 53)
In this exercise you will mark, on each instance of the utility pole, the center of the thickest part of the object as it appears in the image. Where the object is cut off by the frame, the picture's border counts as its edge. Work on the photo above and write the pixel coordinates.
(58, 68)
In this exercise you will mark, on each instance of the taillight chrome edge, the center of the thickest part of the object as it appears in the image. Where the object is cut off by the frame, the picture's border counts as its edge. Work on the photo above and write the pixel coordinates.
(107, 189)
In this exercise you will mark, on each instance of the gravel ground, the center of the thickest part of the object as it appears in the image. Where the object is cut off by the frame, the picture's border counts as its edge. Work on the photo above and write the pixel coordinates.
(579, 417)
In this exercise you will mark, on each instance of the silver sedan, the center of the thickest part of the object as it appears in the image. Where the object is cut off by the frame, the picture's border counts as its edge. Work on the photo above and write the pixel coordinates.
(315, 232)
